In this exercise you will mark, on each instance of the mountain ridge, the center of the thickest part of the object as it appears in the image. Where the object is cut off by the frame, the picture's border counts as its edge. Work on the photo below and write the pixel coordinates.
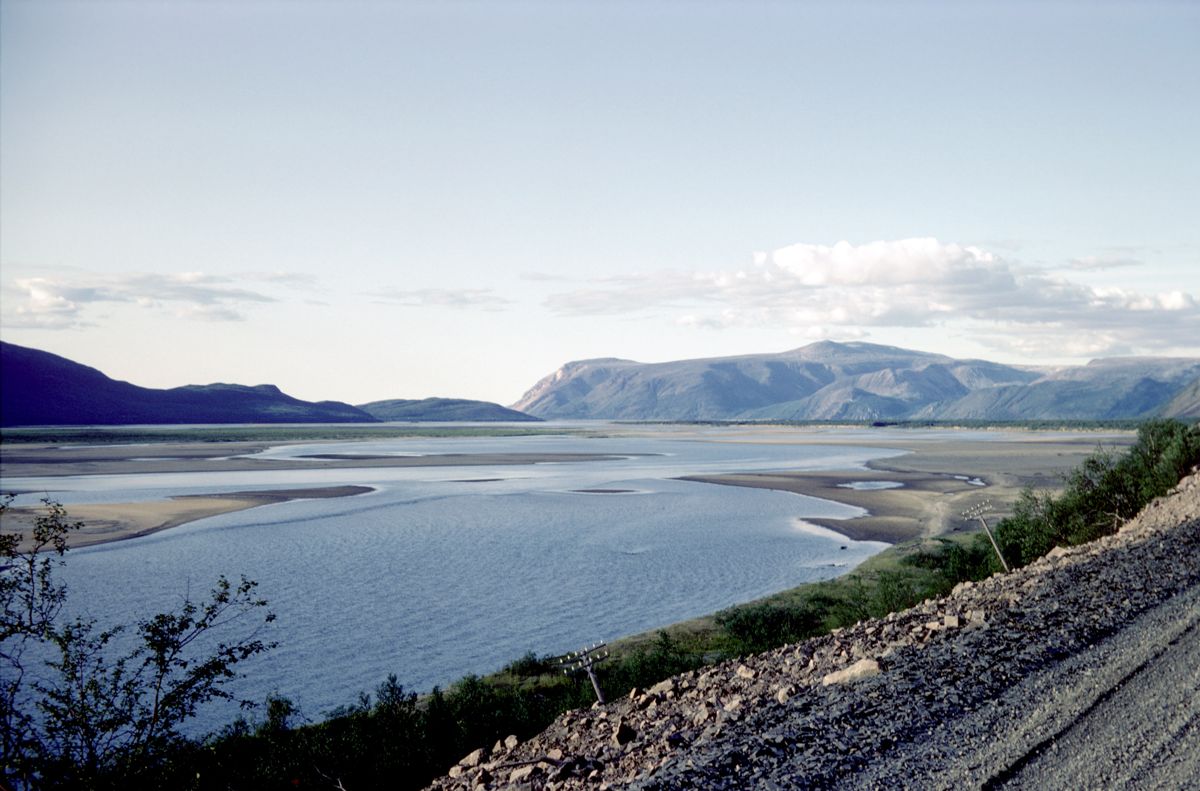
(443, 409)
(828, 380)
(41, 388)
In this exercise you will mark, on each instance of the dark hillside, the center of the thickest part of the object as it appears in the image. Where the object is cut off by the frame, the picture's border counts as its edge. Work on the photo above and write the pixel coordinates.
(42, 389)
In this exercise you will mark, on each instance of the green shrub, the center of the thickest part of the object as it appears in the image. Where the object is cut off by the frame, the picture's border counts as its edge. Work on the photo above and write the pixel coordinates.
(530, 666)
(1101, 494)
(645, 666)
(759, 627)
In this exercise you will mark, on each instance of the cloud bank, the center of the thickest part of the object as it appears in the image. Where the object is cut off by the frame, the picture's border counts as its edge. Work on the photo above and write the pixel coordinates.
(64, 302)
(848, 290)
(483, 298)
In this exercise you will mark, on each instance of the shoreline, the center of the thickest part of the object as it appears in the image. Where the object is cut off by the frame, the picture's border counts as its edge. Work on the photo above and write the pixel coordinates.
(934, 474)
(939, 480)
(45, 460)
(924, 504)
(105, 523)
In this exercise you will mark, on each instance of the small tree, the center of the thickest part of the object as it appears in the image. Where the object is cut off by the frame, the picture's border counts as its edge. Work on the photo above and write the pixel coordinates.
(82, 706)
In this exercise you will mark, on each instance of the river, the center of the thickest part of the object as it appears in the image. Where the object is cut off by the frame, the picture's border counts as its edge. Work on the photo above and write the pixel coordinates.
(444, 571)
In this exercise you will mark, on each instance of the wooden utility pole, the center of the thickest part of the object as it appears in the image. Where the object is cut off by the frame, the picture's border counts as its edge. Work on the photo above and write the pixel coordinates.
(586, 660)
(976, 512)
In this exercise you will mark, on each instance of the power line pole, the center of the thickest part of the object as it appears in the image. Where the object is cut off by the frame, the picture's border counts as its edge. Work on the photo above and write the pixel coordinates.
(976, 512)
(586, 660)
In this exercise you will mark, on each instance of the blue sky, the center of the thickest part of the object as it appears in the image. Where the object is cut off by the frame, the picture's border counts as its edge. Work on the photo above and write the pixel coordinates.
(359, 201)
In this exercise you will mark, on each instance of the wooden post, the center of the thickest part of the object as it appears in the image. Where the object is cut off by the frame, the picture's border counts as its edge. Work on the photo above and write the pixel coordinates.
(586, 660)
(977, 513)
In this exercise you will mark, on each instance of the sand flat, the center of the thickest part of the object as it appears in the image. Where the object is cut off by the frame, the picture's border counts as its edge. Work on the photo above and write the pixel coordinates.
(936, 477)
(929, 502)
(43, 459)
(105, 522)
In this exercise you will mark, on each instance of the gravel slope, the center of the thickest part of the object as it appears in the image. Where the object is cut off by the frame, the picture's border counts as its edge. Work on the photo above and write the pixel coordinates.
(1079, 671)
(1124, 713)
(1144, 730)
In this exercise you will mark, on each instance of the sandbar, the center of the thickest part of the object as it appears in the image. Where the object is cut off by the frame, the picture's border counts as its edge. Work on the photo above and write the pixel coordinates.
(940, 479)
(933, 472)
(105, 522)
(47, 459)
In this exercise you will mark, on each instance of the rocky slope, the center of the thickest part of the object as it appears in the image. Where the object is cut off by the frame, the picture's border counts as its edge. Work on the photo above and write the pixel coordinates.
(857, 381)
(1186, 403)
(968, 690)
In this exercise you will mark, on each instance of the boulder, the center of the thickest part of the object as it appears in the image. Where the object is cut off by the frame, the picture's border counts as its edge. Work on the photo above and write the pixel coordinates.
(623, 734)
(863, 668)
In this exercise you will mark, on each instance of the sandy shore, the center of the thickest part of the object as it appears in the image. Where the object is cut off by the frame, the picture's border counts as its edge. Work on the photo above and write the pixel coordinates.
(37, 459)
(104, 522)
(939, 480)
(929, 502)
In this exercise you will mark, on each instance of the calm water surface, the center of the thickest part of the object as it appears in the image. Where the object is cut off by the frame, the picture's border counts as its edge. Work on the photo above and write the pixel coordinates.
(444, 571)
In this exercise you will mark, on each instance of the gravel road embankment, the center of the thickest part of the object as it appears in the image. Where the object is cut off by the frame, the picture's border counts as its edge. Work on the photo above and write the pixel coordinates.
(1143, 729)
(1079, 671)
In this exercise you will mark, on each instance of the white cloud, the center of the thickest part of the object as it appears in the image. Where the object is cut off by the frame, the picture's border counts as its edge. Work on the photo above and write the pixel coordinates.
(543, 277)
(906, 261)
(280, 277)
(817, 332)
(1092, 263)
(45, 306)
(210, 313)
(483, 298)
(64, 302)
(845, 290)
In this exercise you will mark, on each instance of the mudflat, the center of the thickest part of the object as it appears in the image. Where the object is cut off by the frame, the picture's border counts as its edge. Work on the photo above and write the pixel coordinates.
(104, 522)
(939, 479)
(939, 476)
(45, 459)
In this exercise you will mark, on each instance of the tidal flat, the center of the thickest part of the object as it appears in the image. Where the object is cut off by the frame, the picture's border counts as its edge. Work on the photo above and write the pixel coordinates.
(917, 495)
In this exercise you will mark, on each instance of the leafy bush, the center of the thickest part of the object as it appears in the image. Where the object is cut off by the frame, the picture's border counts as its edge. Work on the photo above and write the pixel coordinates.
(530, 666)
(1101, 494)
(759, 627)
(646, 666)
(89, 707)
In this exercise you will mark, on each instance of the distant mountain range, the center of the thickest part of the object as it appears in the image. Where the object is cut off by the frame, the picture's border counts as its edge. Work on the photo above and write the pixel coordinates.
(822, 381)
(446, 409)
(42, 389)
(862, 381)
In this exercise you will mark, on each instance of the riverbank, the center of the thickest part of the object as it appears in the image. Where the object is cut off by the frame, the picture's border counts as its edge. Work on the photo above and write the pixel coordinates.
(939, 476)
(52, 460)
(530, 689)
(938, 479)
(975, 684)
(106, 522)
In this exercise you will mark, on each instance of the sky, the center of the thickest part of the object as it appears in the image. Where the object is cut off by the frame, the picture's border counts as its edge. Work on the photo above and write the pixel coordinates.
(369, 200)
